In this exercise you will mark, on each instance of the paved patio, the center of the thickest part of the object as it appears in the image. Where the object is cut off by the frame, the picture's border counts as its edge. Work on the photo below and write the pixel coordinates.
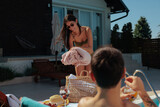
(47, 87)
(37, 91)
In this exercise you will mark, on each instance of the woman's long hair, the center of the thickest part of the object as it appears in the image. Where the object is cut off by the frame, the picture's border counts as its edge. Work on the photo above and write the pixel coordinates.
(65, 32)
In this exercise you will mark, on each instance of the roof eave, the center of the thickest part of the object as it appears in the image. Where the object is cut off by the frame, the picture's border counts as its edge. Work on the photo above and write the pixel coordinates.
(117, 6)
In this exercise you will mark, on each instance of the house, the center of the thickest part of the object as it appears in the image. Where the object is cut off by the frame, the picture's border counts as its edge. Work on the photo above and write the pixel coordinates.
(26, 26)
(27, 31)
(93, 13)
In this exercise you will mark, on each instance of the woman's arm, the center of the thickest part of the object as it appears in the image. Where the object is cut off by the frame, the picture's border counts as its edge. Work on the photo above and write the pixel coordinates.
(89, 49)
(70, 41)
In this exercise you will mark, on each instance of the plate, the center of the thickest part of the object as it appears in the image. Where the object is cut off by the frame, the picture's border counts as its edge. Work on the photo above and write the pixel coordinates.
(47, 102)
(67, 102)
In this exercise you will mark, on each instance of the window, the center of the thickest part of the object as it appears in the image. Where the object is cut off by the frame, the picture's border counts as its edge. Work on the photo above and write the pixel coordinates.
(85, 18)
(60, 12)
(73, 11)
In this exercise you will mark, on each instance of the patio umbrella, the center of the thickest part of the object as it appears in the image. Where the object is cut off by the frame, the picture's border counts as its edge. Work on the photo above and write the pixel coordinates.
(55, 47)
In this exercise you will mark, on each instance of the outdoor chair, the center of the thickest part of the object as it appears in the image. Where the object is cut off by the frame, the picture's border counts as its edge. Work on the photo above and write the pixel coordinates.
(51, 69)
(3, 100)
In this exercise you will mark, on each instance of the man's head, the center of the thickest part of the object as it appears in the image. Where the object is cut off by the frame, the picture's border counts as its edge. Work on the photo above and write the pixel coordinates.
(107, 66)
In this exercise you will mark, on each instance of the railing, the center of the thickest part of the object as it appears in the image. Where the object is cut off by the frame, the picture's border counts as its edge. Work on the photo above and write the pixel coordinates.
(149, 83)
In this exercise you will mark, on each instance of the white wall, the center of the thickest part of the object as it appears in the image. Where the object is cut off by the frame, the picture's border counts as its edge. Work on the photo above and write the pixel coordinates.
(107, 28)
(137, 57)
(81, 3)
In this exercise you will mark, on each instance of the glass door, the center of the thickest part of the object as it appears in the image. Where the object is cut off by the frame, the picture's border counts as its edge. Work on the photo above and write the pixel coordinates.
(60, 12)
(97, 30)
(85, 18)
(73, 11)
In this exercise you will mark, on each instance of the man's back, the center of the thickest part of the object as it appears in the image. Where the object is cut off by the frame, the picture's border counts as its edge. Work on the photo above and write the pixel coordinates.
(107, 71)
(90, 102)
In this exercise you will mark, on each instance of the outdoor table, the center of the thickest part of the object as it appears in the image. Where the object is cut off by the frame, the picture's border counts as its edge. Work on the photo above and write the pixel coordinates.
(69, 105)
(72, 105)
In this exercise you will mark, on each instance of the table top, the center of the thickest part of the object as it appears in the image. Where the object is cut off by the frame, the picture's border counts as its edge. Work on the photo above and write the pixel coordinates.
(72, 105)
(69, 105)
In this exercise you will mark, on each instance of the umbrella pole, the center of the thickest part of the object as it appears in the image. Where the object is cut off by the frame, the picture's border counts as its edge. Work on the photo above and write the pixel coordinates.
(56, 53)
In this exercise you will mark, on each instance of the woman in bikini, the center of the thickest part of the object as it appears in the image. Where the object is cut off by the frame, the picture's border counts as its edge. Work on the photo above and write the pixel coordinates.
(75, 35)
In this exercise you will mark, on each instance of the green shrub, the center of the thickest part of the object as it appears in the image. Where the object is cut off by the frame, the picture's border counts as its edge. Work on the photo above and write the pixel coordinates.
(16, 74)
(29, 71)
(6, 74)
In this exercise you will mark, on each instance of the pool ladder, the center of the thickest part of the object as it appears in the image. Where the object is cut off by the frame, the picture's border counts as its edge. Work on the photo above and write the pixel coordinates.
(150, 85)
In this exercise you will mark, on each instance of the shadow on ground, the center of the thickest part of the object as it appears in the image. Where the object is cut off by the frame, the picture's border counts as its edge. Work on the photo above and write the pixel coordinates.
(47, 87)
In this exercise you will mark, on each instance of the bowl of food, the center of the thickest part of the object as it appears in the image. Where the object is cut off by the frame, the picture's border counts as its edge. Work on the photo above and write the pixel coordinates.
(56, 101)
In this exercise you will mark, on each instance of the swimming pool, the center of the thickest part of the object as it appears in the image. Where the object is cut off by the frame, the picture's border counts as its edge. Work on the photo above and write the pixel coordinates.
(154, 98)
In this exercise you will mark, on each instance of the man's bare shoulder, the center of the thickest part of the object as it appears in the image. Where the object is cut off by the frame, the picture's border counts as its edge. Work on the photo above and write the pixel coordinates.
(84, 102)
(130, 104)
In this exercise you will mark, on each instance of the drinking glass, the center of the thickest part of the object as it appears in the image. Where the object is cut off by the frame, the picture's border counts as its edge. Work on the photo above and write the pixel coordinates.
(128, 90)
(64, 92)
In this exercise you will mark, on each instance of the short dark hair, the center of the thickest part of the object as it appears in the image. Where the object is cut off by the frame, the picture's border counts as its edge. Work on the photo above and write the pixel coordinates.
(107, 66)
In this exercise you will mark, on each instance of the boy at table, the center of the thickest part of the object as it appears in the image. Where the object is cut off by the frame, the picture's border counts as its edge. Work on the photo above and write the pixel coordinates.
(107, 71)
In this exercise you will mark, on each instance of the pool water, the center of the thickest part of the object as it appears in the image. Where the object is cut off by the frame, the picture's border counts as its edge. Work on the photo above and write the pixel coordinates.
(155, 101)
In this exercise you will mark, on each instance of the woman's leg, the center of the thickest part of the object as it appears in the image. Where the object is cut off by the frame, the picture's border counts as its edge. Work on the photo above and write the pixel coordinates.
(88, 67)
(79, 69)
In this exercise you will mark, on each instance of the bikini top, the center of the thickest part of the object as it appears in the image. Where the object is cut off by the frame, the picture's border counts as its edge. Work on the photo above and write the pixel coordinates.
(81, 43)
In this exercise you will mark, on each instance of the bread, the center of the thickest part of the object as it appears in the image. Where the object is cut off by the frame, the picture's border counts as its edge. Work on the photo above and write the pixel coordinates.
(56, 99)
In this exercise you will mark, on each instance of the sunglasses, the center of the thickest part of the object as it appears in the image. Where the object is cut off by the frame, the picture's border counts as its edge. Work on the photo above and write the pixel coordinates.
(71, 25)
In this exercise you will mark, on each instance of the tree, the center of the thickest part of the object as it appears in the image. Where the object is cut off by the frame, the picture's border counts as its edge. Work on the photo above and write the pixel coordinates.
(115, 36)
(142, 29)
(158, 33)
(126, 38)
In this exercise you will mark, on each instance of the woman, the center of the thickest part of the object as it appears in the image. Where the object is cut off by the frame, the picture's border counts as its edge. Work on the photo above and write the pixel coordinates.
(75, 35)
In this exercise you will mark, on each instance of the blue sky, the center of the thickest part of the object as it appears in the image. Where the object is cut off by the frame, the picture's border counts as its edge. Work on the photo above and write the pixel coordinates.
(150, 9)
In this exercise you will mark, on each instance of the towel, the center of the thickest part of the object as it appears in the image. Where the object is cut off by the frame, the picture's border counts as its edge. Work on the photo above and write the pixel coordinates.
(76, 56)
(71, 76)
(27, 102)
(13, 100)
